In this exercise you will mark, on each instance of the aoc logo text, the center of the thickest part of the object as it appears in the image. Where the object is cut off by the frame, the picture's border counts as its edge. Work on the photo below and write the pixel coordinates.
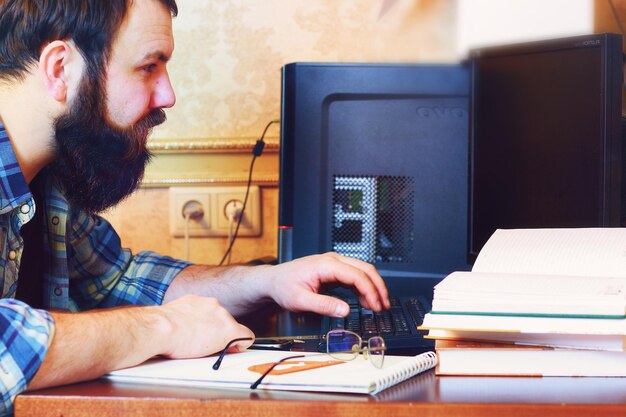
(441, 112)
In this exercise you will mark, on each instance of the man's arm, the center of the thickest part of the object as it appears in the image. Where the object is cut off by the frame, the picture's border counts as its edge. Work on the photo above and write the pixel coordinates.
(104, 274)
(293, 285)
(120, 278)
(88, 345)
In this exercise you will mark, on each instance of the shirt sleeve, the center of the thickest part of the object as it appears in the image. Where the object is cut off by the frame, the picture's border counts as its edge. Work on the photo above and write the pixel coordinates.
(26, 335)
(103, 274)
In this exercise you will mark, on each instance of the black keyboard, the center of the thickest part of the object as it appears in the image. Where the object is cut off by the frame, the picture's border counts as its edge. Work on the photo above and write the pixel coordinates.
(398, 326)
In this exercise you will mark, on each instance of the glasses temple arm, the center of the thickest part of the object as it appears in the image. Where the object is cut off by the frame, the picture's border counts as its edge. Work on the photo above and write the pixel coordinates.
(271, 368)
(219, 360)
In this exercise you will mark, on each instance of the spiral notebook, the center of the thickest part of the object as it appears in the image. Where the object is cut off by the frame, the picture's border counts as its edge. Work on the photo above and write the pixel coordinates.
(240, 370)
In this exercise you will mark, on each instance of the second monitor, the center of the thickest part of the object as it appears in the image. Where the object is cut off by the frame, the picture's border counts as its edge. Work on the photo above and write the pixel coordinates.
(545, 136)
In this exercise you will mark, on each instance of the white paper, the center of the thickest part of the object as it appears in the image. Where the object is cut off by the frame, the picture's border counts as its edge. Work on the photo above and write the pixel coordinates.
(598, 252)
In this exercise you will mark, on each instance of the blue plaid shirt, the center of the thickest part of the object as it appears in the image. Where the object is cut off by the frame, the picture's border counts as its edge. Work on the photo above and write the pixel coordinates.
(85, 267)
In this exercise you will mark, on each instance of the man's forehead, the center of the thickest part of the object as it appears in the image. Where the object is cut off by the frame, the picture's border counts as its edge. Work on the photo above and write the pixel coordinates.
(146, 30)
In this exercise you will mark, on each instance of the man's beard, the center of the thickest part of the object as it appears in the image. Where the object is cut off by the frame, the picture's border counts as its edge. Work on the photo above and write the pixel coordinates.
(97, 164)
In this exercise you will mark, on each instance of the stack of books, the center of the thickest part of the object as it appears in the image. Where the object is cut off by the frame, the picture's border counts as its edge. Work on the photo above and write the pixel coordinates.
(544, 302)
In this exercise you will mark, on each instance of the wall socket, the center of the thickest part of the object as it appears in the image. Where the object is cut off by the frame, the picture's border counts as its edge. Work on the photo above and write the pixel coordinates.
(216, 203)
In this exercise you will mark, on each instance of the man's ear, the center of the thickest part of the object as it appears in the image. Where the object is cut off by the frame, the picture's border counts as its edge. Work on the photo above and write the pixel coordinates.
(54, 66)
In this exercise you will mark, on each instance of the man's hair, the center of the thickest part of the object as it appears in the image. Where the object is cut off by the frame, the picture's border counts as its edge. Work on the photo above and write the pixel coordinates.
(28, 25)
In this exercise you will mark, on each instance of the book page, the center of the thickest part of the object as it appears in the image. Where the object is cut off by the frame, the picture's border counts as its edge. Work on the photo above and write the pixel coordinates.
(580, 326)
(530, 294)
(511, 287)
(599, 252)
(473, 358)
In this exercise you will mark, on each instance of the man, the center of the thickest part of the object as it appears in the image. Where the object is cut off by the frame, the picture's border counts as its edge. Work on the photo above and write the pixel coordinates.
(82, 82)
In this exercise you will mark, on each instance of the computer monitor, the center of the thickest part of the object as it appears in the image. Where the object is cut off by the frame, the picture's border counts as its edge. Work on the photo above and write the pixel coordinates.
(373, 165)
(545, 140)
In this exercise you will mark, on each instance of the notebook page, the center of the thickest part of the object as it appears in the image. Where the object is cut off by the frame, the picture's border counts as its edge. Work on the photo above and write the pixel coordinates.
(597, 252)
(355, 376)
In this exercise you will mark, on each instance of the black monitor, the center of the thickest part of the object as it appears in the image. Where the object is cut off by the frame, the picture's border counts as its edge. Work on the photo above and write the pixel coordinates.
(373, 165)
(545, 144)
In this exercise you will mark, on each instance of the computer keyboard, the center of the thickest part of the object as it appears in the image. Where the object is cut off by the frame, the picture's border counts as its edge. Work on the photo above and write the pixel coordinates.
(398, 325)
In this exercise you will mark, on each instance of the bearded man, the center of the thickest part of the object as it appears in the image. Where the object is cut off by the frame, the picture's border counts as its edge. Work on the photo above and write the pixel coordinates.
(82, 82)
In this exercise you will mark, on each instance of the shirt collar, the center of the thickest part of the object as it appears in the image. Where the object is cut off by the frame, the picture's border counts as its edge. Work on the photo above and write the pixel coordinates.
(13, 188)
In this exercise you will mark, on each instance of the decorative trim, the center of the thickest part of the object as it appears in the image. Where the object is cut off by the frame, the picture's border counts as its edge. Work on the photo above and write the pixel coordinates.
(266, 180)
(210, 145)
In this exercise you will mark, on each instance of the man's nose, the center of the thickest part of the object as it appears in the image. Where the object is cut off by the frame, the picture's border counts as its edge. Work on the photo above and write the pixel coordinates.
(163, 95)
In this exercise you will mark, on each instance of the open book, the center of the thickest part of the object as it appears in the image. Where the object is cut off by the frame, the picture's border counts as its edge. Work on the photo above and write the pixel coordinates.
(542, 272)
(240, 370)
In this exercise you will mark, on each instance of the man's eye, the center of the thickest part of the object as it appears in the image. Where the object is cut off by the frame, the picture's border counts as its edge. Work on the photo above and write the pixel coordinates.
(149, 68)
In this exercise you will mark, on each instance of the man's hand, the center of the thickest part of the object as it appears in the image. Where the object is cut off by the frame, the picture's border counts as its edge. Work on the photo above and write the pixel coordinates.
(90, 344)
(200, 326)
(295, 285)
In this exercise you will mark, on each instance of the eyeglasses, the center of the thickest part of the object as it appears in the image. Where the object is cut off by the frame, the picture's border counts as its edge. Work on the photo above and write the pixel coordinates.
(342, 345)
(262, 343)
(346, 346)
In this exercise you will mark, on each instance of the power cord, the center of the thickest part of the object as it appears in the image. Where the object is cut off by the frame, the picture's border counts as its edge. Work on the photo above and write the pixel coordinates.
(256, 152)
(233, 212)
(191, 210)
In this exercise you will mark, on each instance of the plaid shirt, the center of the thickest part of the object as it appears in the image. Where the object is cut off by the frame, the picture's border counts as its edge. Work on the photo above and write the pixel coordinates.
(85, 267)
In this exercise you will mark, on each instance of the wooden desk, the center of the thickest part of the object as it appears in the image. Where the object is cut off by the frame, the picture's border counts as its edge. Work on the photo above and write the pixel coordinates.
(425, 395)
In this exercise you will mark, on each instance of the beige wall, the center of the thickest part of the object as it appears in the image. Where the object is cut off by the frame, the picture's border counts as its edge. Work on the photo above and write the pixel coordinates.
(226, 73)
(607, 19)
(226, 67)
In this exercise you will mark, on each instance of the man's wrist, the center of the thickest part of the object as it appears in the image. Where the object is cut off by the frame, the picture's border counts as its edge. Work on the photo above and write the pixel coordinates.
(161, 326)
(264, 283)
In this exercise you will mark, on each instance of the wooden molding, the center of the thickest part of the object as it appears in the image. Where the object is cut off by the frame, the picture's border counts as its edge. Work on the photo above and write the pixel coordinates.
(262, 180)
(211, 145)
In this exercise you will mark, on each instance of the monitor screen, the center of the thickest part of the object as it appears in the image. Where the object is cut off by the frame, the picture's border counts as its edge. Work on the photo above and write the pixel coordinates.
(545, 136)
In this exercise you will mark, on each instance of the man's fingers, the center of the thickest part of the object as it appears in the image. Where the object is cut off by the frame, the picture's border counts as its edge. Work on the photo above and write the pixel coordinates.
(347, 274)
(201, 326)
(296, 284)
(363, 277)
(325, 304)
(373, 275)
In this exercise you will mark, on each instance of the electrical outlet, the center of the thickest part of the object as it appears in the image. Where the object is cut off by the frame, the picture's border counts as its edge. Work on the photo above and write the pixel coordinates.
(216, 203)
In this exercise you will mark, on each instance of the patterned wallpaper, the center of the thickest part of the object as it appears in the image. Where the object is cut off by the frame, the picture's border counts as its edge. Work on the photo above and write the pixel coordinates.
(226, 66)
(226, 74)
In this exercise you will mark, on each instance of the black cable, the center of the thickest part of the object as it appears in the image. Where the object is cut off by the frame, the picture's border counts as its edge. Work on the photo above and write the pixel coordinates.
(256, 151)
(243, 208)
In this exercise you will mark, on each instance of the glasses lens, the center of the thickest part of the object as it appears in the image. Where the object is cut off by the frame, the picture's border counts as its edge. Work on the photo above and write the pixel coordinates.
(376, 351)
(341, 344)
